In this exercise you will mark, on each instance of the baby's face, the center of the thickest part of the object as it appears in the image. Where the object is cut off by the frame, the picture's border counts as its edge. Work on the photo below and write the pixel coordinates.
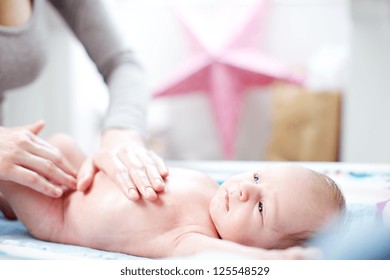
(259, 208)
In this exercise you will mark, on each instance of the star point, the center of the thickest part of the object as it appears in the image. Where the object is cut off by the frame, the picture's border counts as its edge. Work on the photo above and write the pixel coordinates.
(225, 72)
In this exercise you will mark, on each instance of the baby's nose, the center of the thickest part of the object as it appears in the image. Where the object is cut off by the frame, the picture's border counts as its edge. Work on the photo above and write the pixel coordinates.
(243, 195)
(246, 191)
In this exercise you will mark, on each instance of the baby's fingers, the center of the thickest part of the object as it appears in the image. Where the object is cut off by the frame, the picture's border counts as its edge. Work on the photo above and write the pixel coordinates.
(300, 253)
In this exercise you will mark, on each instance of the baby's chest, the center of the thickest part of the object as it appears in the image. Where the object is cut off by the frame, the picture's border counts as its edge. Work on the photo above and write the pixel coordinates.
(171, 214)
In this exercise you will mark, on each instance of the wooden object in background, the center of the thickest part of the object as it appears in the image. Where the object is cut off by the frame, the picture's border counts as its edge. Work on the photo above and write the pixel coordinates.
(305, 126)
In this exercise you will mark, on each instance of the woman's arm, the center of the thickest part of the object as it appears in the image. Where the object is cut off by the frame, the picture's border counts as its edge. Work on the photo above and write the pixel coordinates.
(123, 127)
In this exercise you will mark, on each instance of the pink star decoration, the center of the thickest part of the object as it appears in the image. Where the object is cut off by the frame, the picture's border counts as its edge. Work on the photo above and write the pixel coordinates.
(225, 73)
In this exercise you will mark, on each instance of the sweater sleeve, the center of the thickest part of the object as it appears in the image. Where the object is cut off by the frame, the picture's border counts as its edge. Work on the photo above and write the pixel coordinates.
(92, 25)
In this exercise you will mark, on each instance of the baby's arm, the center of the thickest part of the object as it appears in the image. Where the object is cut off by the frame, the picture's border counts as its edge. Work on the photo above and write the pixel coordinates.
(5, 208)
(193, 243)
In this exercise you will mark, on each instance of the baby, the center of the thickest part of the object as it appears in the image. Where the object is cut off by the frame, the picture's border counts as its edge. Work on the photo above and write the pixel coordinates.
(273, 208)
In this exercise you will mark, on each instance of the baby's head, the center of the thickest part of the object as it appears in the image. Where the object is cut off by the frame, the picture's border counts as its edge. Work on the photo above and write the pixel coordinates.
(276, 207)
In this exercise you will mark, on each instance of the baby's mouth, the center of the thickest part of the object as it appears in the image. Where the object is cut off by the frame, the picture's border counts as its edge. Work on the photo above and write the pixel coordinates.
(227, 201)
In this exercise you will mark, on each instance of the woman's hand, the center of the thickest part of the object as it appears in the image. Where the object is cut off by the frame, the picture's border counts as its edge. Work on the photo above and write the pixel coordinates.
(124, 158)
(30, 161)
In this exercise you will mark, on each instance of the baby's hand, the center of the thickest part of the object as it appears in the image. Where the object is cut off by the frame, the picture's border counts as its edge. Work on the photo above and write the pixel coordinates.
(293, 253)
(298, 253)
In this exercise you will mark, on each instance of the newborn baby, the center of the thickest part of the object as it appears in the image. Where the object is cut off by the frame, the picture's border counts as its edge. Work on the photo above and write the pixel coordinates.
(273, 208)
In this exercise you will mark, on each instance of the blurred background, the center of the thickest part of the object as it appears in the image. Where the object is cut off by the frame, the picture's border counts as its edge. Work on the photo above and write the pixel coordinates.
(340, 111)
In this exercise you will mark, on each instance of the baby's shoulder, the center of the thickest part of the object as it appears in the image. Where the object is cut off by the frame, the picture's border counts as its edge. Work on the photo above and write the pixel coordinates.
(190, 179)
(190, 174)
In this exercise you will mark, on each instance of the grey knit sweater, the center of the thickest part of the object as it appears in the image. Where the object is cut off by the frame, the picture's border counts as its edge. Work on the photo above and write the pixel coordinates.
(23, 54)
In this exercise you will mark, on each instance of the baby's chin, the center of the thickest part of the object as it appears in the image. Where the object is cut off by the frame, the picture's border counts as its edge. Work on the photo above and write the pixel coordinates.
(213, 209)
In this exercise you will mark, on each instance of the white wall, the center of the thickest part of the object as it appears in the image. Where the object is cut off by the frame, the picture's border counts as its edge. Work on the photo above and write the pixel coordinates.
(366, 129)
(294, 31)
(47, 97)
(69, 94)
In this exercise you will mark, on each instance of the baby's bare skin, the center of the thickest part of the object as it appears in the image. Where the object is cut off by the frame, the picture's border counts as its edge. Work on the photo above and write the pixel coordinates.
(103, 218)
(117, 224)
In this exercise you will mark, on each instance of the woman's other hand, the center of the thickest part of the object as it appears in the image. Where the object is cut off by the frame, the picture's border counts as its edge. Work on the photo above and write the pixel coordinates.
(30, 161)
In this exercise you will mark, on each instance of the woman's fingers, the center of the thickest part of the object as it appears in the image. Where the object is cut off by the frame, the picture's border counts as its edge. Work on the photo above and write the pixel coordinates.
(138, 174)
(122, 178)
(137, 171)
(30, 161)
(160, 164)
(43, 149)
(48, 170)
(33, 180)
(44, 160)
(124, 158)
(145, 169)
(35, 127)
(110, 163)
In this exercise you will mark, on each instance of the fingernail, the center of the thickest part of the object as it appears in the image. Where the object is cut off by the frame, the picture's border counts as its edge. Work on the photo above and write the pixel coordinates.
(165, 171)
(158, 182)
(57, 192)
(133, 194)
(80, 182)
(150, 194)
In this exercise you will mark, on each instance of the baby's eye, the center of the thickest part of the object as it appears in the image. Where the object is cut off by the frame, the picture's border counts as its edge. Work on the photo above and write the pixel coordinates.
(260, 207)
(256, 177)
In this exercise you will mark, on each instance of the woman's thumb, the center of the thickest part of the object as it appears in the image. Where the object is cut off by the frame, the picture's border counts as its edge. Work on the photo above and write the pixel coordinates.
(86, 174)
(35, 127)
